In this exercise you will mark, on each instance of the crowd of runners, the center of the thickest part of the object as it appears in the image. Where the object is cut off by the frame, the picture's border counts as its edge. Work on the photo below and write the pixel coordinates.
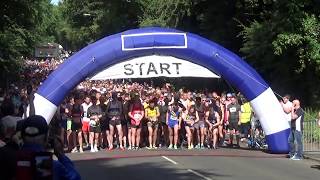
(109, 115)
(129, 115)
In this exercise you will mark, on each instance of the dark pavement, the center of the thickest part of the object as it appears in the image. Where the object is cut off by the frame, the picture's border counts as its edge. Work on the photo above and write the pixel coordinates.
(222, 164)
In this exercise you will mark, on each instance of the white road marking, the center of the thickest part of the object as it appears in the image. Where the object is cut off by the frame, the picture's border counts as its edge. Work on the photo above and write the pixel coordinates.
(189, 170)
(198, 174)
(170, 160)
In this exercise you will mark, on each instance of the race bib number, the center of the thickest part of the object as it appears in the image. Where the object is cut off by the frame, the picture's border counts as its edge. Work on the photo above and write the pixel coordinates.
(174, 117)
(93, 123)
(233, 109)
(137, 116)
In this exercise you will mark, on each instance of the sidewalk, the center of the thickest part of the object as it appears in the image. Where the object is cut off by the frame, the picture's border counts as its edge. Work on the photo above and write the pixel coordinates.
(312, 156)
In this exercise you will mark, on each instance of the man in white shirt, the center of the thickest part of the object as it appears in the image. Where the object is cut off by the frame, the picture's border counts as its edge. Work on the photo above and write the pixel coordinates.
(85, 120)
(287, 107)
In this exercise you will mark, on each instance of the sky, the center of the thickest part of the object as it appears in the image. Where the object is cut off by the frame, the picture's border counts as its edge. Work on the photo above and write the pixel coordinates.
(55, 1)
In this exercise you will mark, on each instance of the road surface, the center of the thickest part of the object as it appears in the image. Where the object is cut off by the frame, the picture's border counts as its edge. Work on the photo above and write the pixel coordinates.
(224, 164)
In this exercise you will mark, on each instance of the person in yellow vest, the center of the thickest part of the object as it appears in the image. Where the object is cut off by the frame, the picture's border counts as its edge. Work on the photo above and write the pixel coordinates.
(152, 114)
(245, 117)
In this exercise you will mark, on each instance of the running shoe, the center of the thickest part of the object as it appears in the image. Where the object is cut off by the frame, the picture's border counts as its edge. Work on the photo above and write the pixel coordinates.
(129, 148)
(197, 146)
(189, 147)
(170, 146)
(154, 147)
(175, 147)
(201, 146)
(296, 158)
(74, 150)
(237, 146)
(92, 150)
(149, 147)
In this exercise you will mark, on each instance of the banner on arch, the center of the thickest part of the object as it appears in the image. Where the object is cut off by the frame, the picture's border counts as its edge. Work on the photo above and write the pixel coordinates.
(154, 66)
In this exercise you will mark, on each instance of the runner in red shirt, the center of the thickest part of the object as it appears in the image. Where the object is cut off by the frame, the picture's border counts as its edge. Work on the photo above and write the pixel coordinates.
(136, 114)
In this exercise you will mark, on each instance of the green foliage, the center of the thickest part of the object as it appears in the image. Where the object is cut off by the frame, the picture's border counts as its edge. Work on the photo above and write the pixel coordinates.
(89, 20)
(305, 40)
(311, 131)
(310, 114)
(279, 38)
(164, 13)
(283, 44)
(23, 24)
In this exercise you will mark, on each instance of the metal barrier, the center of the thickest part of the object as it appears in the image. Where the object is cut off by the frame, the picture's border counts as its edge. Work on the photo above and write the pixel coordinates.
(311, 136)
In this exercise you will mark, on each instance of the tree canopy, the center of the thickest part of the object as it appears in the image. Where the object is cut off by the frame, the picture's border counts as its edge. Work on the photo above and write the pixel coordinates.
(279, 38)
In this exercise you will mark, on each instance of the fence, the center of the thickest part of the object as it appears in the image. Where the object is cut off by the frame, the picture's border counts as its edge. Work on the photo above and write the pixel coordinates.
(311, 136)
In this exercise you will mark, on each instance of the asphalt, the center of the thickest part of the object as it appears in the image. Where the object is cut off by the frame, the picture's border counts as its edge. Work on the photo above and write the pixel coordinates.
(224, 164)
(315, 156)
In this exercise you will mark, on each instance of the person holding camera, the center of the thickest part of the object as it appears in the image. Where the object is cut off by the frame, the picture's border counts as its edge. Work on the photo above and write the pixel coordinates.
(33, 161)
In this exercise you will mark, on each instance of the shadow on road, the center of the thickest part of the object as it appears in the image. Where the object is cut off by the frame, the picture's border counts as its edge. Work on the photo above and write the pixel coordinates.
(134, 169)
(315, 167)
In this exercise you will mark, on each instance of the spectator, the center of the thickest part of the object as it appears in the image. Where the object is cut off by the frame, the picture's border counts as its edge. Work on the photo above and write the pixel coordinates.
(34, 132)
(287, 107)
(295, 137)
(8, 147)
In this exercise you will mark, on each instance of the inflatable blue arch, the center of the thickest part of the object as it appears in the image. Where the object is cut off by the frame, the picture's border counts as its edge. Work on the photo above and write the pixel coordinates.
(167, 42)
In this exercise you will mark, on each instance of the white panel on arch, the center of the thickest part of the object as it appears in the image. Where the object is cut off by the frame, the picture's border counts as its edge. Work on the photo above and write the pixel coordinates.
(44, 107)
(270, 113)
(154, 66)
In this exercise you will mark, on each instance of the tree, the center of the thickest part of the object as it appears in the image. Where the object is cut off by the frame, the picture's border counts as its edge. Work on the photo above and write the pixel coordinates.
(284, 45)
(23, 24)
(164, 13)
(90, 20)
